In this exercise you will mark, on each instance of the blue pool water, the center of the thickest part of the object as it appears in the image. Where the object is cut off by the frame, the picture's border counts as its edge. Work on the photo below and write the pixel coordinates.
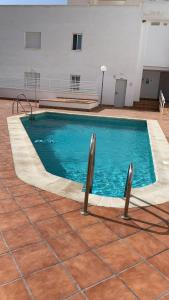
(62, 143)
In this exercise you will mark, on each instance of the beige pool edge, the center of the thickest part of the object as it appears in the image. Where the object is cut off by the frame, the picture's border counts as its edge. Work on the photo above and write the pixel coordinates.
(29, 168)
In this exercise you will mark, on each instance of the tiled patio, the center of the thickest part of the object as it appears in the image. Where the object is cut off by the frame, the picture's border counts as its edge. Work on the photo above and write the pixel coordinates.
(49, 251)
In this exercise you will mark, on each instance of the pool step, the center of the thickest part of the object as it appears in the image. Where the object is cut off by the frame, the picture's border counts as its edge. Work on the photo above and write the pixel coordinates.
(85, 104)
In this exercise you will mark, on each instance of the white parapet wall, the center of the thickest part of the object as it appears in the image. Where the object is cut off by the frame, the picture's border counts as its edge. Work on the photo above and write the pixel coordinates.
(104, 2)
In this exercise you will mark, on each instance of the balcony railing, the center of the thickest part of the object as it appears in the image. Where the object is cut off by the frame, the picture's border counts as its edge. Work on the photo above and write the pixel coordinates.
(58, 86)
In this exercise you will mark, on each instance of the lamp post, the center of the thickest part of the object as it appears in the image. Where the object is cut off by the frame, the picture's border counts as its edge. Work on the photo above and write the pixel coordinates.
(103, 70)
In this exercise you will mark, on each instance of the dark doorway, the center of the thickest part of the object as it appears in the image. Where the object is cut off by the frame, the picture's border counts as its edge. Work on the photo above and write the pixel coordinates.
(164, 84)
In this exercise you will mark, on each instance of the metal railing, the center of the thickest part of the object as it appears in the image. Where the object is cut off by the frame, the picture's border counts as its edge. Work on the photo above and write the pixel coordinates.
(90, 172)
(78, 88)
(60, 87)
(17, 101)
(161, 102)
(127, 192)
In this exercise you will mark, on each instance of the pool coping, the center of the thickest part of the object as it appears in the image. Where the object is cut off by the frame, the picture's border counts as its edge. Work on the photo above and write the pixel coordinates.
(29, 168)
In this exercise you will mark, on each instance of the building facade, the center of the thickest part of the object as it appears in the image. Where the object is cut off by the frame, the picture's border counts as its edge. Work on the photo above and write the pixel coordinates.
(59, 50)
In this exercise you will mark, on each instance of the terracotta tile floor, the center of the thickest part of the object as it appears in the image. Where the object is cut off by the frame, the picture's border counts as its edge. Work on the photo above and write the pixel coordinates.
(49, 251)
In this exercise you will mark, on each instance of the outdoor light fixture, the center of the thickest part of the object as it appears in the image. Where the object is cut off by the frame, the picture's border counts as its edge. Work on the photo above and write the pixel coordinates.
(103, 70)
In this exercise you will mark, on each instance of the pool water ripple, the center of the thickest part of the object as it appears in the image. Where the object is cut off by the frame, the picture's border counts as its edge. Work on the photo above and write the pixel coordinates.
(62, 143)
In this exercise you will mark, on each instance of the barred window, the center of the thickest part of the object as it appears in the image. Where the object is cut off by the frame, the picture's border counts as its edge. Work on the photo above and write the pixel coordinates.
(75, 82)
(31, 80)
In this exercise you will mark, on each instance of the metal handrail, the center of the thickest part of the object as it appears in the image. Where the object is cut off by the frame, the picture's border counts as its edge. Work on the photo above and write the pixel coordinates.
(90, 172)
(48, 84)
(18, 102)
(127, 192)
(161, 102)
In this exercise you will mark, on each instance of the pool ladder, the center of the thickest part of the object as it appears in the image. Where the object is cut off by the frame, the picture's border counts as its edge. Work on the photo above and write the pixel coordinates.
(89, 181)
(90, 172)
(18, 101)
(127, 193)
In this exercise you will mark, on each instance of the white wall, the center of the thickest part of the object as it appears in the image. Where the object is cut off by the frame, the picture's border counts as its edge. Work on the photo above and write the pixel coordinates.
(157, 37)
(157, 45)
(156, 10)
(111, 36)
(78, 2)
(104, 2)
(139, 72)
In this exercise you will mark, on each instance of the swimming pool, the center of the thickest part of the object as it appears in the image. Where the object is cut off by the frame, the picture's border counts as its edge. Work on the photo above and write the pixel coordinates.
(62, 143)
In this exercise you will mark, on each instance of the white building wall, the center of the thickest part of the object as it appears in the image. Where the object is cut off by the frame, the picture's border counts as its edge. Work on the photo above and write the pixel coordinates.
(104, 2)
(154, 46)
(156, 10)
(139, 70)
(157, 36)
(111, 37)
(157, 46)
(78, 2)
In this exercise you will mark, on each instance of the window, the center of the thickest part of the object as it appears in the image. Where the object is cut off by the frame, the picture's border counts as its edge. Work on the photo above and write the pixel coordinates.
(77, 41)
(75, 82)
(31, 80)
(155, 23)
(33, 40)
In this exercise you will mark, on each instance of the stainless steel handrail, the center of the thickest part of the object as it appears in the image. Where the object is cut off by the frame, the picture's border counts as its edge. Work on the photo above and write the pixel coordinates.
(127, 192)
(90, 173)
(161, 102)
(18, 102)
